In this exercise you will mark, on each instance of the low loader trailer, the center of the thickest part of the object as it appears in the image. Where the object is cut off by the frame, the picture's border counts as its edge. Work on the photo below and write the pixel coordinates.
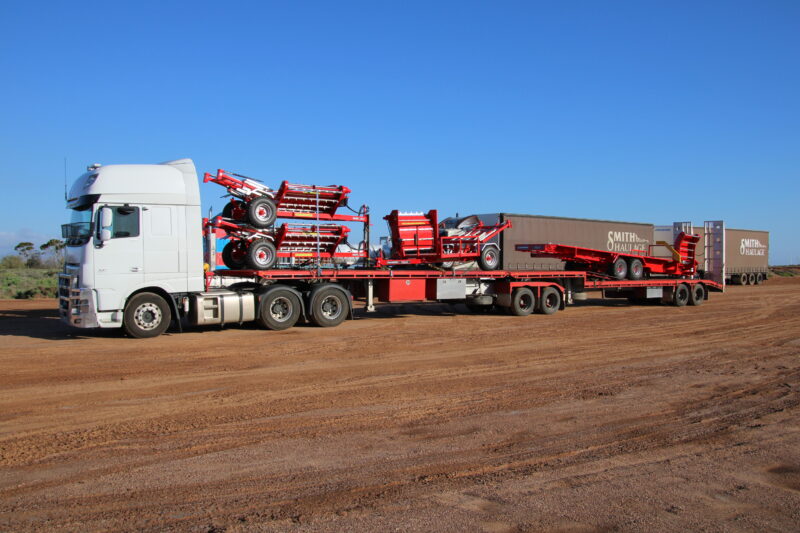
(136, 259)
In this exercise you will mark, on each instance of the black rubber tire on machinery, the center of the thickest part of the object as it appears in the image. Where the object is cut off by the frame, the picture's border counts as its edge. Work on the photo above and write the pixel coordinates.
(261, 255)
(232, 256)
(619, 270)
(681, 295)
(523, 302)
(759, 278)
(549, 301)
(146, 315)
(261, 212)
(489, 258)
(279, 309)
(697, 294)
(329, 307)
(751, 278)
(635, 269)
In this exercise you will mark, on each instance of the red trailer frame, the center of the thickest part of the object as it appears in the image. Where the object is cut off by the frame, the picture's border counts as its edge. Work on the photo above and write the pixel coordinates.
(417, 240)
(620, 265)
(292, 200)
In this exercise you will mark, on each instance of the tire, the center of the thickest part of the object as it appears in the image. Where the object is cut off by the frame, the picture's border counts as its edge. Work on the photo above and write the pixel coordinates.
(261, 255)
(751, 279)
(742, 279)
(523, 302)
(234, 211)
(681, 295)
(697, 294)
(489, 258)
(635, 269)
(279, 309)
(261, 212)
(619, 270)
(759, 278)
(550, 301)
(329, 307)
(234, 255)
(146, 315)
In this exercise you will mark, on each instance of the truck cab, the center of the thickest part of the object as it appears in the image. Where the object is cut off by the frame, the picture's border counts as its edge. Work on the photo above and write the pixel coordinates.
(134, 230)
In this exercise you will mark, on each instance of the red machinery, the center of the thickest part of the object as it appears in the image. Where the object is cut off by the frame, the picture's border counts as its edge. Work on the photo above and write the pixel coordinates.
(259, 249)
(260, 205)
(419, 239)
(634, 266)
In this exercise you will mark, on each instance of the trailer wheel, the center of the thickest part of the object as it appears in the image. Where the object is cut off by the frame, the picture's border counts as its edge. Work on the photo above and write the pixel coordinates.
(261, 255)
(635, 269)
(751, 279)
(697, 294)
(523, 302)
(619, 269)
(146, 315)
(261, 212)
(329, 307)
(550, 301)
(234, 210)
(742, 279)
(759, 278)
(681, 295)
(234, 255)
(489, 258)
(280, 309)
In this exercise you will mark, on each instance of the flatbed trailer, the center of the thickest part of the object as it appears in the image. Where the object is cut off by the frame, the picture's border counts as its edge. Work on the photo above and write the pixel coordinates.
(278, 299)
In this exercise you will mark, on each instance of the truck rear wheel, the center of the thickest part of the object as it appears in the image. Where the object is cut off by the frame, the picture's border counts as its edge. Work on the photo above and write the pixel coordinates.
(751, 278)
(550, 301)
(619, 269)
(234, 255)
(635, 269)
(523, 302)
(681, 295)
(759, 278)
(742, 279)
(697, 294)
(146, 315)
(261, 212)
(329, 307)
(489, 258)
(279, 309)
(261, 255)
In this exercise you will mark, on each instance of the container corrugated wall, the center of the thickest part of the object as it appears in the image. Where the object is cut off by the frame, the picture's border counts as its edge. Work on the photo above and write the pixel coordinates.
(536, 229)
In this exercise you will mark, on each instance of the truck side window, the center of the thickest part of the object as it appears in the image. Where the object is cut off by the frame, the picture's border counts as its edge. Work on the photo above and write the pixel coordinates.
(126, 222)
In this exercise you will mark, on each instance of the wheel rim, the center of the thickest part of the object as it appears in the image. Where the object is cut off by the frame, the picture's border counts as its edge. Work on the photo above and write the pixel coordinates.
(550, 301)
(331, 307)
(263, 213)
(281, 309)
(490, 257)
(525, 302)
(682, 296)
(147, 316)
(264, 256)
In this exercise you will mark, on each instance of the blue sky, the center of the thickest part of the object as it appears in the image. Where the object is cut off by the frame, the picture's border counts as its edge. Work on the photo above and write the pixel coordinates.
(640, 111)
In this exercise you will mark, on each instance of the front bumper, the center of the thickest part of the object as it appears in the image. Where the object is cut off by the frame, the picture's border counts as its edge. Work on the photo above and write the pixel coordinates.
(78, 307)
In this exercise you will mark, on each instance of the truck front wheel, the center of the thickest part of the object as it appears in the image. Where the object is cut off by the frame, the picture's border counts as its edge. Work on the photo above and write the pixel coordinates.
(146, 315)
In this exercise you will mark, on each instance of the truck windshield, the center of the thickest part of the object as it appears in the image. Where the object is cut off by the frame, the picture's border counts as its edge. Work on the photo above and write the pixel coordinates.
(78, 231)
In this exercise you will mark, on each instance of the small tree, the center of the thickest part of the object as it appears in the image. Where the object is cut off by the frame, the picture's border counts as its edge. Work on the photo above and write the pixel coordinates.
(25, 249)
(56, 248)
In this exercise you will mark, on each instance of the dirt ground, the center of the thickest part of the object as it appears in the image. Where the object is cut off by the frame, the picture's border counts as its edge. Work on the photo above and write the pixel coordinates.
(601, 417)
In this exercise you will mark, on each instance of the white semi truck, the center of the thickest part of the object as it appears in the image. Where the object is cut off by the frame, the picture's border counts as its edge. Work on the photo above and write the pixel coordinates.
(135, 259)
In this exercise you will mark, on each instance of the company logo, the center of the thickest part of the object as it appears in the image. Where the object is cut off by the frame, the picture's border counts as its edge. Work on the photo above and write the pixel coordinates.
(625, 241)
(752, 247)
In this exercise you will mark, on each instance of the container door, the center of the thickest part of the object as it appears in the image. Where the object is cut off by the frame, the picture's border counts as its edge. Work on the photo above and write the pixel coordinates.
(714, 264)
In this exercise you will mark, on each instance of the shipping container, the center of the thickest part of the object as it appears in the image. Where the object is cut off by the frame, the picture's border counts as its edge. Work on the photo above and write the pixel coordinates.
(537, 229)
(746, 253)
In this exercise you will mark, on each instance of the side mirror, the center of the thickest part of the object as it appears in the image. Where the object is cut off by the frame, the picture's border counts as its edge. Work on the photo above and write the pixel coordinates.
(106, 219)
